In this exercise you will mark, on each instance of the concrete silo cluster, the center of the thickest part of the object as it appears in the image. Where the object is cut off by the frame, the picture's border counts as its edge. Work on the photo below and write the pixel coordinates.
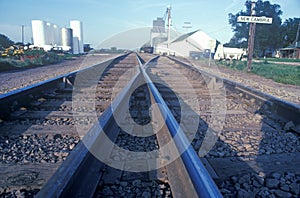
(48, 36)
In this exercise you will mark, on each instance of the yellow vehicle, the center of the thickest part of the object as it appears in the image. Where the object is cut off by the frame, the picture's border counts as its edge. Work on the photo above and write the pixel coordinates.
(8, 52)
(13, 50)
(18, 52)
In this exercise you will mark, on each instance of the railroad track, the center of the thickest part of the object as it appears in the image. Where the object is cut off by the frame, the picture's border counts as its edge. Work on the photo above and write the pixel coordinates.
(245, 139)
(134, 160)
(255, 149)
(38, 129)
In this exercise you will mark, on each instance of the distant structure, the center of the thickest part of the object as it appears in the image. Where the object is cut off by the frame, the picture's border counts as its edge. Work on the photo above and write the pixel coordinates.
(39, 32)
(229, 53)
(159, 25)
(76, 26)
(48, 36)
(67, 39)
(195, 44)
(158, 32)
(45, 34)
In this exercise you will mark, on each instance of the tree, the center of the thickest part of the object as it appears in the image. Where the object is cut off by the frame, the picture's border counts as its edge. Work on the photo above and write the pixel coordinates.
(288, 31)
(5, 42)
(267, 36)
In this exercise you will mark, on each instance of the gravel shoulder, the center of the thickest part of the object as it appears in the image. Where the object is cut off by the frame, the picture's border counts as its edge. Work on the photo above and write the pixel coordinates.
(286, 92)
(12, 80)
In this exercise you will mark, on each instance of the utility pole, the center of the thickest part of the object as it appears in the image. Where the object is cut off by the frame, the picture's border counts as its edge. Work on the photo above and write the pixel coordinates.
(296, 40)
(251, 38)
(251, 45)
(169, 24)
(23, 34)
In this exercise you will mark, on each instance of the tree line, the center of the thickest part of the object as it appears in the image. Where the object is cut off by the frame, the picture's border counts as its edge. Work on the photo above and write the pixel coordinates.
(5, 42)
(268, 37)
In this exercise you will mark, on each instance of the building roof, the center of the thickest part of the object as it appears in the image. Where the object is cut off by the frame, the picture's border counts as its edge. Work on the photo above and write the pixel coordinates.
(293, 46)
(182, 37)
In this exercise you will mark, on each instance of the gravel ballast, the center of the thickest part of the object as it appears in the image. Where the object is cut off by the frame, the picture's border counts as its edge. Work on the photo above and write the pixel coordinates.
(12, 80)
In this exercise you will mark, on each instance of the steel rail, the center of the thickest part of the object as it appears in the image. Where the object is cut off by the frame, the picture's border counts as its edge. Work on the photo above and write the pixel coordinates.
(33, 86)
(203, 183)
(288, 111)
(22, 94)
(78, 174)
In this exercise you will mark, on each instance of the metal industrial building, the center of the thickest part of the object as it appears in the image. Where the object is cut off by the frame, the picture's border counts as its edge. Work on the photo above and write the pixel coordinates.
(196, 42)
(158, 32)
(67, 39)
(47, 36)
(76, 26)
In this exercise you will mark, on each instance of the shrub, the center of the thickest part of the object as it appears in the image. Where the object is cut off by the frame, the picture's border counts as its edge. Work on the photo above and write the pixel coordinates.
(31, 58)
(34, 53)
(51, 58)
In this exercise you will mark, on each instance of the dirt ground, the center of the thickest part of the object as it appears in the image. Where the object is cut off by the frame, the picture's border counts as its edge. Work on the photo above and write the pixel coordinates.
(12, 80)
(287, 92)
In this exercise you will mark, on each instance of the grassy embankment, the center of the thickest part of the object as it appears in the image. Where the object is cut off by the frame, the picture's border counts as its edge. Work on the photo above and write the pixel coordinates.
(281, 73)
(32, 58)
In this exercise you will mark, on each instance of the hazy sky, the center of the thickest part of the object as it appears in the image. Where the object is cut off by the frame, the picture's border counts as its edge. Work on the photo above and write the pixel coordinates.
(104, 19)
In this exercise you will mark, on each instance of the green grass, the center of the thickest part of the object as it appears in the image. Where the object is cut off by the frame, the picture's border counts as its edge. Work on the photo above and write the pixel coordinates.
(280, 60)
(278, 72)
(70, 56)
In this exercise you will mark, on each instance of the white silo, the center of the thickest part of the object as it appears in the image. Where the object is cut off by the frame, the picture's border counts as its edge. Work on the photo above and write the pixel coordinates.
(75, 45)
(76, 26)
(57, 35)
(39, 32)
(67, 39)
(50, 34)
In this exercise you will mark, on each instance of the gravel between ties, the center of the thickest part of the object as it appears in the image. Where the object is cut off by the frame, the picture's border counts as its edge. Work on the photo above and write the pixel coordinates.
(36, 148)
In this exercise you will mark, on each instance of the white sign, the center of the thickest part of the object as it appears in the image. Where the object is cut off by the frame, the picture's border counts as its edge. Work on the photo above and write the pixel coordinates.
(254, 19)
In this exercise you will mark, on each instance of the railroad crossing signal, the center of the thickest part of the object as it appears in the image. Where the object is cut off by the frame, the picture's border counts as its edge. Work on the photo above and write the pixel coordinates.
(252, 20)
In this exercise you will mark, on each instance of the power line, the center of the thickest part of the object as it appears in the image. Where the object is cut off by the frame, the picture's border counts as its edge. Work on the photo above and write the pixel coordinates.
(219, 29)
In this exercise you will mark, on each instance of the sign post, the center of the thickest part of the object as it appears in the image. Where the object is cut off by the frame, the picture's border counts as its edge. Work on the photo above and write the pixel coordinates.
(251, 45)
(252, 20)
